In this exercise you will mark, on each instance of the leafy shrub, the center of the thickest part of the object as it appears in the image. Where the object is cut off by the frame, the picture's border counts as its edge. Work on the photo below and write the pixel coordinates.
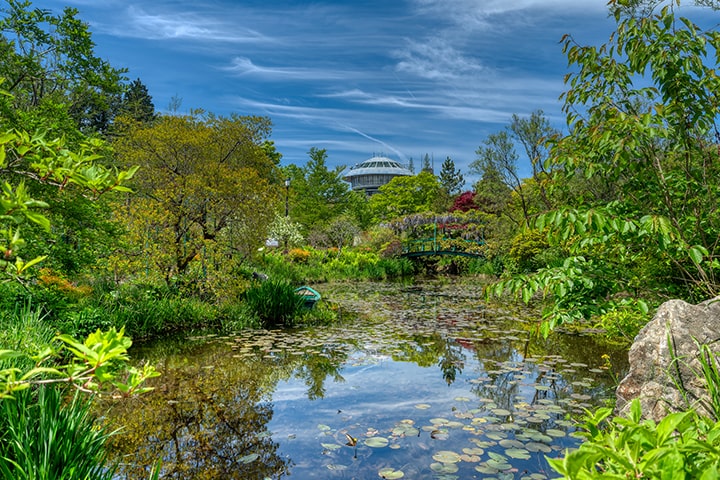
(682, 445)
(526, 251)
(624, 322)
(298, 255)
(52, 279)
(274, 302)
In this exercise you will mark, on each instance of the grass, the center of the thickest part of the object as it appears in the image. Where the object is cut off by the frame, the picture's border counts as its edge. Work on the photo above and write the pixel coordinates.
(43, 434)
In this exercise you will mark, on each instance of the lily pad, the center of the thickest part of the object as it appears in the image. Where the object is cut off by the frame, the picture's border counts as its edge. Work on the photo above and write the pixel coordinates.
(331, 446)
(249, 458)
(519, 453)
(446, 456)
(390, 473)
(376, 442)
(440, 467)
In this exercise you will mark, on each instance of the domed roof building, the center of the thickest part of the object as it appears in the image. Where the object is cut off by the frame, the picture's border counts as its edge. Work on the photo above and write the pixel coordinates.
(373, 173)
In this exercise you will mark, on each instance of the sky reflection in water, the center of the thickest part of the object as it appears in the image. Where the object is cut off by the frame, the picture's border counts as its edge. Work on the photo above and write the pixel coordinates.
(430, 385)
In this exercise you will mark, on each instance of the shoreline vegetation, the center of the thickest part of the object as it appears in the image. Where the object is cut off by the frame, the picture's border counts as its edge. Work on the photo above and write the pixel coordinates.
(120, 222)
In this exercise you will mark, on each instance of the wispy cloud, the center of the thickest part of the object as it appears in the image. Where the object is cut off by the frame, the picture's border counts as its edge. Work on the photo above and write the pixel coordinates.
(183, 25)
(243, 66)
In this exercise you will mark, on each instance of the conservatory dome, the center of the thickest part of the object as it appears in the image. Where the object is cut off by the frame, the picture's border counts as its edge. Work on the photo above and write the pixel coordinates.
(373, 173)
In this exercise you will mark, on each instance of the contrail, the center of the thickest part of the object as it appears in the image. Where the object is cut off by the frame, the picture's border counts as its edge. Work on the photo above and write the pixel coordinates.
(389, 147)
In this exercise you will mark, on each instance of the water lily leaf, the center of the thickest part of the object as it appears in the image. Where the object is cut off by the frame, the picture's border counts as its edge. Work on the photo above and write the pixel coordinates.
(554, 432)
(439, 467)
(446, 456)
(390, 473)
(422, 406)
(538, 447)
(499, 465)
(486, 469)
(249, 458)
(473, 451)
(331, 446)
(323, 427)
(376, 442)
(439, 434)
(336, 467)
(507, 443)
(519, 453)
(470, 458)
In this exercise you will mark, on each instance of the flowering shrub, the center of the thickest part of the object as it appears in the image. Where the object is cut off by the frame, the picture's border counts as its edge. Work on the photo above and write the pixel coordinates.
(298, 255)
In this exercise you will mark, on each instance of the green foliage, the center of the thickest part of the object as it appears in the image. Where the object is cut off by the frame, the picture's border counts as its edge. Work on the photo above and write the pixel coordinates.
(207, 192)
(624, 322)
(642, 219)
(528, 251)
(405, 195)
(45, 437)
(274, 302)
(319, 194)
(682, 445)
(451, 180)
(93, 366)
(50, 64)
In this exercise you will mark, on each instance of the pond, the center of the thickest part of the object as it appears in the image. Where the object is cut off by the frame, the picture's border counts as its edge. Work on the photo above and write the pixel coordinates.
(421, 381)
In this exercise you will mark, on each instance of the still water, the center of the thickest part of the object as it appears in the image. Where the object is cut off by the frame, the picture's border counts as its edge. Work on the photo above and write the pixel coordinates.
(417, 382)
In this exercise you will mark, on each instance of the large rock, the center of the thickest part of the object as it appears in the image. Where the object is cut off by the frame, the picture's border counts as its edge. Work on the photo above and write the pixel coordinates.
(665, 355)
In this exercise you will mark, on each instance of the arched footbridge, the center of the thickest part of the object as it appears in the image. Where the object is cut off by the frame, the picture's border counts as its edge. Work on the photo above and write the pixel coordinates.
(441, 246)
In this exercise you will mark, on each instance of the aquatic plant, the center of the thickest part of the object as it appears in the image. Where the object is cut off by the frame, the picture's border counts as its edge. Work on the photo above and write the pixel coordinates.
(274, 302)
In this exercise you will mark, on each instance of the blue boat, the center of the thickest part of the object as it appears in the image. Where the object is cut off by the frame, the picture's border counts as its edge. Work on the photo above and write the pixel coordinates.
(310, 295)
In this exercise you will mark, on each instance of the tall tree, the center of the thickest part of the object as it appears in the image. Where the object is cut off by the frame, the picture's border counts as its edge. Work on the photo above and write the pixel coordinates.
(451, 179)
(534, 133)
(49, 60)
(206, 188)
(320, 194)
(497, 160)
(426, 164)
(643, 113)
(137, 102)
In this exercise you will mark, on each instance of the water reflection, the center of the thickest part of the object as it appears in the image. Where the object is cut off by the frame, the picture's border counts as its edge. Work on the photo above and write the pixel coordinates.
(421, 376)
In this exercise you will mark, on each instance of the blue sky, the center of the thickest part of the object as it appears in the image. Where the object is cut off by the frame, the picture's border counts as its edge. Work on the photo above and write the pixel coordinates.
(396, 77)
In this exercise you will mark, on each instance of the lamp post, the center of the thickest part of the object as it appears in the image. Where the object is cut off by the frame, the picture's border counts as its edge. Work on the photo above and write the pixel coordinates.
(287, 195)
(287, 210)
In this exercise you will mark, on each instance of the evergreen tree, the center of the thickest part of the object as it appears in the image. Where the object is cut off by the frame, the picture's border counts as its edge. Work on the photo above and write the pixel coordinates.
(426, 165)
(451, 179)
(320, 195)
(137, 103)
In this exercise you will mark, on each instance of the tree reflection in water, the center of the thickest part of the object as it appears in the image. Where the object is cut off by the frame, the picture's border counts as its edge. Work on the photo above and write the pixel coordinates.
(204, 422)
(211, 414)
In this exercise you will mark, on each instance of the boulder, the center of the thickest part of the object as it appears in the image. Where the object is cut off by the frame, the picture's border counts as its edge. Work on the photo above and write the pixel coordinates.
(665, 369)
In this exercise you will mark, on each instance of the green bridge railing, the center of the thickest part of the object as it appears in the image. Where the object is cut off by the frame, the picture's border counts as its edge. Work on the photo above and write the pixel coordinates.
(443, 246)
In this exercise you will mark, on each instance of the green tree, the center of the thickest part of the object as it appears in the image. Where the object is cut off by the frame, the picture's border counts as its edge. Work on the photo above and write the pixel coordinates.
(319, 193)
(137, 102)
(405, 195)
(206, 191)
(50, 64)
(497, 161)
(451, 180)
(534, 133)
(642, 111)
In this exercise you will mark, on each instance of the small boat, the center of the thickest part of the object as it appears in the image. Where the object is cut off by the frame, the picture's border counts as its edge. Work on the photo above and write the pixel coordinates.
(310, 295)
